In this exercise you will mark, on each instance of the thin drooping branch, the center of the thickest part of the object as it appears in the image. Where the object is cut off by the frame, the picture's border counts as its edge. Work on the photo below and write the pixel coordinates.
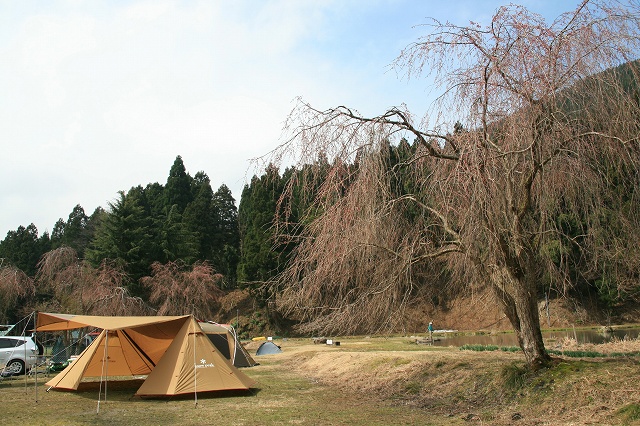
(78, 287)
(178, 289)
(546, 128)
(15, 285)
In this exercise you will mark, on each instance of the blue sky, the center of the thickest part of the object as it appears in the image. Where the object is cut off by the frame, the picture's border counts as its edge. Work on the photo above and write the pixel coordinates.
(97, 96)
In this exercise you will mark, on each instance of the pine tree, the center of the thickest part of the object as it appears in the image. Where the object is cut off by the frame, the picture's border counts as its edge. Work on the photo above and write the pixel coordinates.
(227, 235)
(258, 262)
(200, 218)
(178, 187)
(123, 236)
(23, 248)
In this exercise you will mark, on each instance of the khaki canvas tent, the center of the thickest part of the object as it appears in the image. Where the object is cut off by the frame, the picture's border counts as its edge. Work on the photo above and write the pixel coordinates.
(173, 352)
(224, 338)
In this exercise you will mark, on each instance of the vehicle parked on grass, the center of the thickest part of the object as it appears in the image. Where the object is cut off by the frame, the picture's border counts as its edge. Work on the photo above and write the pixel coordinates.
(18, 354)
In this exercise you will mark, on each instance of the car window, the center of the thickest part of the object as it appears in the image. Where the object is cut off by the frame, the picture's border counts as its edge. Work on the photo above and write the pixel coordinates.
(10, 343)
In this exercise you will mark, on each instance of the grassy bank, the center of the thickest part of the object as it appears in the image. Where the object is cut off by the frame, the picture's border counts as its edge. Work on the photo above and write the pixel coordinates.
(377, 381)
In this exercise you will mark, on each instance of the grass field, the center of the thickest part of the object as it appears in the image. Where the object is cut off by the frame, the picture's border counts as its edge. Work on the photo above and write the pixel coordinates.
(364, 381)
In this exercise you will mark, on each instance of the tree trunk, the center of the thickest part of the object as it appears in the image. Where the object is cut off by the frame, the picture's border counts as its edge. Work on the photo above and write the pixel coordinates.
(518, 298)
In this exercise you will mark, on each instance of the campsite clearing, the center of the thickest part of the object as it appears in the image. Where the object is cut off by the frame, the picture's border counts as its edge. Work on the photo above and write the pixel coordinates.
(365, 381)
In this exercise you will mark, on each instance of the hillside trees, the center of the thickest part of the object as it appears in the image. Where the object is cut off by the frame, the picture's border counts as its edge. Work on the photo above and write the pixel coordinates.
(183, 220)
(595, 246)
(260, 262)
(485, 199)
(226, 235)
(23, 248)
(77, 231)
(144, 230)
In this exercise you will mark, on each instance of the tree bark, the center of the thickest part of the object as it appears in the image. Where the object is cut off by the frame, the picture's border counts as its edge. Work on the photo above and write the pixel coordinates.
(517, 296)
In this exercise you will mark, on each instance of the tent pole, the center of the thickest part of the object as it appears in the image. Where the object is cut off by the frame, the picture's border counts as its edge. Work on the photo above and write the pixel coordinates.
(35, 340)
(235, 344)
(24, 334)
(195, 370)
(105, 353)
(106, 367)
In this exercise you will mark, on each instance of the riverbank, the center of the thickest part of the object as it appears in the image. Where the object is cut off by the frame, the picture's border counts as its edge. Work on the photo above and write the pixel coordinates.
(477, 313)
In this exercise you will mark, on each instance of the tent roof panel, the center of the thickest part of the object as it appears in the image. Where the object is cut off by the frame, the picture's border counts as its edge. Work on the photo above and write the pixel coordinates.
(57, 322)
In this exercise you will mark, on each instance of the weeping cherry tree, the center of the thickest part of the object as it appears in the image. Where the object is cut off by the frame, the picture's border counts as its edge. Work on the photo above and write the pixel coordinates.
(541, 110)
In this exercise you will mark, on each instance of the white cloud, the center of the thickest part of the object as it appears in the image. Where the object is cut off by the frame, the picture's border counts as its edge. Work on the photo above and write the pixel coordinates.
(99, 96)
(147, 11)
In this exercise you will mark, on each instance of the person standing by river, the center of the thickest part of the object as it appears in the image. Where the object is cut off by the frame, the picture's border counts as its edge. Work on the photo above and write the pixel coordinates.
(430, 329)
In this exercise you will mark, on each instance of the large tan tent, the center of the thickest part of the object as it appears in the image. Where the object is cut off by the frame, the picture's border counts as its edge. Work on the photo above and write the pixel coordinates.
(173, 352)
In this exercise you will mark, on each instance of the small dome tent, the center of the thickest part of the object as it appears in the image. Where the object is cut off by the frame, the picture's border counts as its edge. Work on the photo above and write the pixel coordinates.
(268, 348)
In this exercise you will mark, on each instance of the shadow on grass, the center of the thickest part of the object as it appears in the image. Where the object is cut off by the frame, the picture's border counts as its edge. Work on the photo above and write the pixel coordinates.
(205, 395)
(124, 390)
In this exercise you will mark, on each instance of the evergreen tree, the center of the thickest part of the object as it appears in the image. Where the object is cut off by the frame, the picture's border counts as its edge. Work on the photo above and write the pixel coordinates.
(77, 232)
(123, 236)
(58, 233)
(74, 230)
(172, 239)
(178, 187)
(258, 262)
(226, 242)
(155, 199)
(23, 248)
(200, 218)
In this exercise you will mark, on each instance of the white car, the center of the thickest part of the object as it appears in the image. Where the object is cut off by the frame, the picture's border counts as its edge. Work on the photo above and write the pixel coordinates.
(17, 354)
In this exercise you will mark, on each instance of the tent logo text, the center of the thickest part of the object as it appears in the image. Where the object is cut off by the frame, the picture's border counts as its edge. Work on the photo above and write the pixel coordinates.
(203, 364)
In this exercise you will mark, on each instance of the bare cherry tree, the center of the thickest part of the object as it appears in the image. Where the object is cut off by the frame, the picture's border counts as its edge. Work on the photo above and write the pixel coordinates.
(179, 289)
(15, 286)
(539, 114)
(79, 288)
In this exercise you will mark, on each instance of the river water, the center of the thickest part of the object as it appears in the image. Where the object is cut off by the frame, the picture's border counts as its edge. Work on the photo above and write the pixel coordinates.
(550, 337)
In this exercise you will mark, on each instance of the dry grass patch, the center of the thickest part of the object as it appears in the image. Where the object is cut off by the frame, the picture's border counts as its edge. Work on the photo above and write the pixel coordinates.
(492, 387)
(616, 346)
(377, 381)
